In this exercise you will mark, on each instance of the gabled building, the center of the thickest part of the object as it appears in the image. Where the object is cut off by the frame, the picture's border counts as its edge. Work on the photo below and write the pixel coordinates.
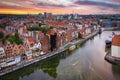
(30, 40)
(8, 50)
(26, 46)
(2, 55)
(38, 35)
(15, 49)
(22, 49)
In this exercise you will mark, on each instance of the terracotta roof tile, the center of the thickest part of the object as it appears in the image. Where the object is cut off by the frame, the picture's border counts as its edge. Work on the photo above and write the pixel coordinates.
(51, 32)
(40, 33)
(25, 30)
(116, 40)
(57, 23)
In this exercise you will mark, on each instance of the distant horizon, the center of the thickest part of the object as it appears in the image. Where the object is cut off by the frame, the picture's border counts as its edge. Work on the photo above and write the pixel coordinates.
(83, 7)
(55, 14)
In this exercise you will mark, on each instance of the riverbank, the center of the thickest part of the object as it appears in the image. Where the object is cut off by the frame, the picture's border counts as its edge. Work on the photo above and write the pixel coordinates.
(111, 28)
(112, 59)
(31, 61)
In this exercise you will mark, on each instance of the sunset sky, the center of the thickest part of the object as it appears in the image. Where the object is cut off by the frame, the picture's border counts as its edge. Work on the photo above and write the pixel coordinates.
(60, 6)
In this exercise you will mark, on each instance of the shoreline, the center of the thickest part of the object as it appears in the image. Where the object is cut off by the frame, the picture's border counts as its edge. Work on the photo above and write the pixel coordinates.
(111, 28)
(112, 59)
(50, 54)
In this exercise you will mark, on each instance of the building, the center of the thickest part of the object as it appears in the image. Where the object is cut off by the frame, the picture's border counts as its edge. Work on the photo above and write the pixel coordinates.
(30, 41)
(116, 24)
(8, 50)
(68, 36)
(22, 49)
(26, 46)
(38, 35)
(28, 54)
(115, 50)
(15, 49)
(45, 44)
(2, 55)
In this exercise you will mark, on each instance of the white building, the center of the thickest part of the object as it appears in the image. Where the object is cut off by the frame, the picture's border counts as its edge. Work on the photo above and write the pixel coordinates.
(2, 54)
(115, 50)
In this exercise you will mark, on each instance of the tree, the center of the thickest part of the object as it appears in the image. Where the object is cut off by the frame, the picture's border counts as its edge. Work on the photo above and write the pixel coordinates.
(17, 39)
(11, 39)
(3, 25)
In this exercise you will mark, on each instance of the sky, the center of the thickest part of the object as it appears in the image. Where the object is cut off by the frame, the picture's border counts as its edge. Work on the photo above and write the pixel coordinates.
(60, 6)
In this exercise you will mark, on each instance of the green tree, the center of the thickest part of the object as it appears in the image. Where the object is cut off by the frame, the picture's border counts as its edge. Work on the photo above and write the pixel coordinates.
(17, 39)
(11, 39)
(3, 25)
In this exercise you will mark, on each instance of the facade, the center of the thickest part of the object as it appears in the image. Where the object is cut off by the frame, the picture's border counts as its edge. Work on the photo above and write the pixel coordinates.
(2, 55)
(115, 23)
(8, 50)
(28, 54)
(45, 44)
(68, 36)
(38, 35)
(115, 50)
(15, 49)
(22, 49)
(27, 46)
(30, 41)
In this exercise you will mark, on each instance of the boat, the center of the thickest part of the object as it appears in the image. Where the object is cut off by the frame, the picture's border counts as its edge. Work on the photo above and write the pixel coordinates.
(71, 48)
(42, 53)
(108, 43)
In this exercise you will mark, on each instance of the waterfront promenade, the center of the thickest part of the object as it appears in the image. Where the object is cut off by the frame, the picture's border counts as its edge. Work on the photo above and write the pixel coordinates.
(31, 61)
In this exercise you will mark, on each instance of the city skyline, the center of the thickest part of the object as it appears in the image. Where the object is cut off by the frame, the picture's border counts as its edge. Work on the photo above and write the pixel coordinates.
(60, 6)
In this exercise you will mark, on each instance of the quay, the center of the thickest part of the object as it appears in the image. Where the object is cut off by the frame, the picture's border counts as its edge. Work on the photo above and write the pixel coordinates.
(31, 61)
(112, 59)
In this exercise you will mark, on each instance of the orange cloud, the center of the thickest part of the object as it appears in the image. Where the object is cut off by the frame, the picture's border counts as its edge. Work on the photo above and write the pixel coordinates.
(17, 11)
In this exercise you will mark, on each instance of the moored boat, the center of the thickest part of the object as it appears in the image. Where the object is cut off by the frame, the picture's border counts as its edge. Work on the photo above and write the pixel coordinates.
(108, 43)
(72, 47)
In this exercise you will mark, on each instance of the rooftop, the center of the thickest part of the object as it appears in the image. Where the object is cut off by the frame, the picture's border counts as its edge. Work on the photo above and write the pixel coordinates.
(116, 40)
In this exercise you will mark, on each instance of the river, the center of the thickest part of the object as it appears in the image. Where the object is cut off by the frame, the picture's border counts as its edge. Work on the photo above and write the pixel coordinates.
(85, 63)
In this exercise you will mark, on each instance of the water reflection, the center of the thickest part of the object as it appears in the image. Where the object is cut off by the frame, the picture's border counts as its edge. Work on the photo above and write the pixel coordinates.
(85, 63)
(47, 66)
(116, 71)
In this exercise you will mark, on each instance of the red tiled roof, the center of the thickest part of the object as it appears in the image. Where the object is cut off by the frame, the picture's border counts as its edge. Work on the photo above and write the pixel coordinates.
(31, 40)
(40, 33)
(45, 39)
(57, 23)
(51, 32)
(116, 40)
(25, 31)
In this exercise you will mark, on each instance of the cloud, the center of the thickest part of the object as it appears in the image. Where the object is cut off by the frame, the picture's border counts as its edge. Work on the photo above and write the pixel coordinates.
(50, 5)
(97, 3)
(64, 6)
